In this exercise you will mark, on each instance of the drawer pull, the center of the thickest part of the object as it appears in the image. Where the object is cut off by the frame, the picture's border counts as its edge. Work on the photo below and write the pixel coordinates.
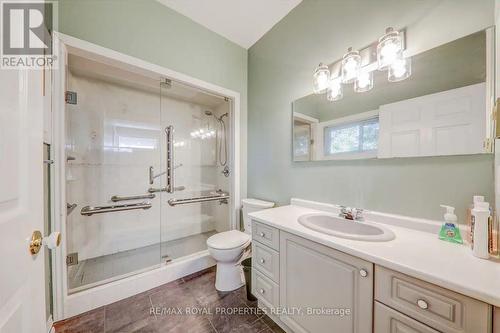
(422, 304)
(262, 260)
(262, 291)
(262, 234)
(363, 272)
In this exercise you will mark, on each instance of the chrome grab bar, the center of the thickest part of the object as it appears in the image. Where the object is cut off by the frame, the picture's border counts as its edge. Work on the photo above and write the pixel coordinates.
(157, 189)
(164, 189)
(90, 210)
(170, 158)
(222, 196)
(116, 198)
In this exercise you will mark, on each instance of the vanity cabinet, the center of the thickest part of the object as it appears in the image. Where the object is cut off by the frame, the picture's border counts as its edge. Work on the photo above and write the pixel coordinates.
(388, 320)
(314, 277)
(311, 288)
(437, 307)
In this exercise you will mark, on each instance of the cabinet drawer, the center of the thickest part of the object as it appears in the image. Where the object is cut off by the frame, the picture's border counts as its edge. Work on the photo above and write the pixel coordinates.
(266, 235)
(266, 260)
(437, 307)
(389, 321)
(264, 289)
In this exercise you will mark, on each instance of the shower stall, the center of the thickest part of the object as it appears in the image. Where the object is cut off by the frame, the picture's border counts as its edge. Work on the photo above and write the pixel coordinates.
(148, 173)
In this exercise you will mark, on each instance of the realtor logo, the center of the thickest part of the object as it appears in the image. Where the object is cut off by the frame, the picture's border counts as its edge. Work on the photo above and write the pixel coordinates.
(26, 33)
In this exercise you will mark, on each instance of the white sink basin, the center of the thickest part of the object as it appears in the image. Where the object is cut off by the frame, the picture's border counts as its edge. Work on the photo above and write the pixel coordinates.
(340, 227)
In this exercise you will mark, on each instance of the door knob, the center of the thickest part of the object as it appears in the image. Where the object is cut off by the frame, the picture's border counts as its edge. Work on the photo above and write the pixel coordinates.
(37, 240)
(363, 272)
(53, 240)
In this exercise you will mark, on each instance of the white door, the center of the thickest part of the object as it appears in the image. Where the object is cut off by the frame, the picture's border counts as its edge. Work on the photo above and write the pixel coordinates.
(451, 122)
(22, 285)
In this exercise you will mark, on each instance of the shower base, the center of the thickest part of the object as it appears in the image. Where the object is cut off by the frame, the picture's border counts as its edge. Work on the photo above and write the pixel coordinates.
(100, 270)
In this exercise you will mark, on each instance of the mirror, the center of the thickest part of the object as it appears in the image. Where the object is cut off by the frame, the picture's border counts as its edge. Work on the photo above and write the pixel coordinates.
(441, 109)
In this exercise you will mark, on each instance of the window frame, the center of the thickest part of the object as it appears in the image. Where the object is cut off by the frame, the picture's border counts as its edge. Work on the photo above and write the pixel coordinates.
(345, 122)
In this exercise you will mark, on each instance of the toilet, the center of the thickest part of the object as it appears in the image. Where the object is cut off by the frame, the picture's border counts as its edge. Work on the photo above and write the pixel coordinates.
(227, 248)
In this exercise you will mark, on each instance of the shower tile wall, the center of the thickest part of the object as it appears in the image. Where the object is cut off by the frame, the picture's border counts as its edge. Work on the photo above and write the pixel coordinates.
(115, 133)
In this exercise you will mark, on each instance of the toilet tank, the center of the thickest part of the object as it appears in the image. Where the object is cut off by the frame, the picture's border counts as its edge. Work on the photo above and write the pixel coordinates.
(253, 205)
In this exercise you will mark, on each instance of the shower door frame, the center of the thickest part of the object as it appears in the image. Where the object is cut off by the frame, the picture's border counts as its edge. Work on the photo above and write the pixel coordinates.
(66, 305)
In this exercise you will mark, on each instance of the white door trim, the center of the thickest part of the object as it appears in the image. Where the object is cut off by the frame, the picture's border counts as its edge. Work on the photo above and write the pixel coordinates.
(65, 45)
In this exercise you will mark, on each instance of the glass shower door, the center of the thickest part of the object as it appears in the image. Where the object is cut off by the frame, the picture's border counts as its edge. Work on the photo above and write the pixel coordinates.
(113, 138)
(192, 115)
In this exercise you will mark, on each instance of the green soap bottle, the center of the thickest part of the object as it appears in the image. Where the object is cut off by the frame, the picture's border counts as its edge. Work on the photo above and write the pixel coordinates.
(449, 231)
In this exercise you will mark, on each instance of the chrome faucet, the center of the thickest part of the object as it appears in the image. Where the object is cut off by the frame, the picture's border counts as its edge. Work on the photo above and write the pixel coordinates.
(359, 216)
(345, 213)
(353, 214)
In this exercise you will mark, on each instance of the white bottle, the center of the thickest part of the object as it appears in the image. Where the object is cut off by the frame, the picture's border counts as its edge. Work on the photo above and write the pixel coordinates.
(469, 237)
(480, 214)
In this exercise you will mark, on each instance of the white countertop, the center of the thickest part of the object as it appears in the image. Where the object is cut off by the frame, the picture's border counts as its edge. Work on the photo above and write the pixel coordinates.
(420, 254)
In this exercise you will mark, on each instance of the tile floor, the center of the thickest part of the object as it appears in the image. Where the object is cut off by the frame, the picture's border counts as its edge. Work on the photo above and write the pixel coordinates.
(92, 272)
(147, 312)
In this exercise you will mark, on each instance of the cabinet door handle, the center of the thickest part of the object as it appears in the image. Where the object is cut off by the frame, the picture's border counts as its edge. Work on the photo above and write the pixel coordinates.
(262, 234)
(262, 291)
(363, 273)
(422, 304)
(262, 260)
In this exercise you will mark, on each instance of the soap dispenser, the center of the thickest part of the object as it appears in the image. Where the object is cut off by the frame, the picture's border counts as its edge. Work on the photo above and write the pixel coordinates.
(449, 231)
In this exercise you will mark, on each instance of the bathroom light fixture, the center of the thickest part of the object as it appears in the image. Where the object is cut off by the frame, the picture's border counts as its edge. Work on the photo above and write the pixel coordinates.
(357, 66)
(321, 77)
(351, 63)
(364, 81)
(334, 90)
(389, 48)
(399, 70)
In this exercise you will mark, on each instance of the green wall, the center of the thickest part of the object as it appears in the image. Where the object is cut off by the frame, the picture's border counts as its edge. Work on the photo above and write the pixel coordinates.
(153, 32)
(280, 71)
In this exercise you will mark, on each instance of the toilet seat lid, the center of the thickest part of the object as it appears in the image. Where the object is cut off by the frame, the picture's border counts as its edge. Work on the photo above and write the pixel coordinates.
(228, 240)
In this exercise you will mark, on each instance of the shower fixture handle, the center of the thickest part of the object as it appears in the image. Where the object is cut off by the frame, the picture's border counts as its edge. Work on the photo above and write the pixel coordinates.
(151, 175)
(170, 159)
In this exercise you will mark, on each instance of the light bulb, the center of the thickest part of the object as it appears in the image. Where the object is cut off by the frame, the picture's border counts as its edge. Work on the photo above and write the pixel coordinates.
(389, 48)
(364, 81)
(351, 62)
(399, 70)
(334, 91)
(321, 77)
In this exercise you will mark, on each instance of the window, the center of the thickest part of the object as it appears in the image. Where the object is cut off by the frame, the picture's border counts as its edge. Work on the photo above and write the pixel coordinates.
(355, 137)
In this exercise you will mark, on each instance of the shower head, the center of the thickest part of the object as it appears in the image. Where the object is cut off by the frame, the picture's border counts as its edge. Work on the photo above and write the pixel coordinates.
(210, 113)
